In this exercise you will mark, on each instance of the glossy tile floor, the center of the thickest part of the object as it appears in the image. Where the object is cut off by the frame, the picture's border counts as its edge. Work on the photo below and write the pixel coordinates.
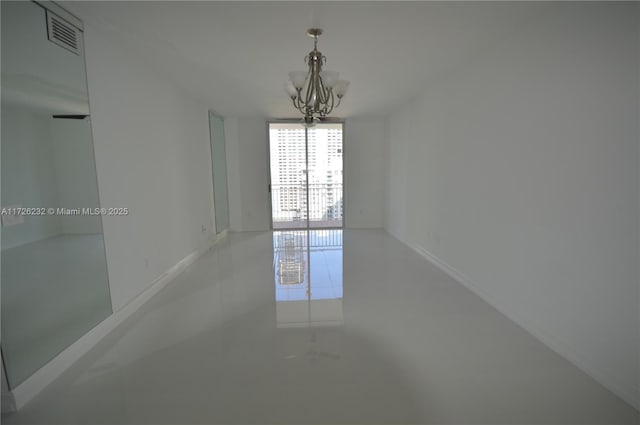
(290, 328)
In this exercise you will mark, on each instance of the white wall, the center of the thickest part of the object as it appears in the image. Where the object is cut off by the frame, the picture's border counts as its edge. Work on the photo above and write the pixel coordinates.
(247, 159)
(364, 147)
(152, 156)
(520, 172)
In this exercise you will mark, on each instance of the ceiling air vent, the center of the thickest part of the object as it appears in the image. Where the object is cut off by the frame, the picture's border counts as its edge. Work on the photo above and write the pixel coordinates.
(63, 33)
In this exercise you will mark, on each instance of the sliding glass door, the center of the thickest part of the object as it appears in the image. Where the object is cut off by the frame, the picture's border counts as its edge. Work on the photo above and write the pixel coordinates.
(306, 166)
(288, 186)
(324, 152)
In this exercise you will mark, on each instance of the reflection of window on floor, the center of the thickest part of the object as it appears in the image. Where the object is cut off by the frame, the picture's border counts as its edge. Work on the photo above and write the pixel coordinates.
(291, 258)
(308, 277)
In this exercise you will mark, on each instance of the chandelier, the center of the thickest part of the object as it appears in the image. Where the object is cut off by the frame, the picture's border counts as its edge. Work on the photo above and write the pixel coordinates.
(315, 92)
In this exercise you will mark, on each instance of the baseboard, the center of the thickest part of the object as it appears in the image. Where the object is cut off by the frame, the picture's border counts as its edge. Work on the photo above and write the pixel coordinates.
(530, 326)
(8, 403)
(44, 376)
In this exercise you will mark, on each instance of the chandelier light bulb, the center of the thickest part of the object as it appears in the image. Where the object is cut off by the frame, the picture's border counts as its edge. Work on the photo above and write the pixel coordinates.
(329, 78)
(298, 78)
(340, 88)
(291, 89)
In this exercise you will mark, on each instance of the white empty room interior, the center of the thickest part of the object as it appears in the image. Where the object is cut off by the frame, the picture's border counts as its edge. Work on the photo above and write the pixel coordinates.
(204, 223)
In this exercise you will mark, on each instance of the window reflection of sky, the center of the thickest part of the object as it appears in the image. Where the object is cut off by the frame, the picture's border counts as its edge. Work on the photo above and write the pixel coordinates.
(308, 265)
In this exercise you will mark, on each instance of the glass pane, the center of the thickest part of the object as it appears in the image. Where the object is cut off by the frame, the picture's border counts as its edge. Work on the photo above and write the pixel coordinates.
(287, 151)
(54, 274)
(326, 204)
(219, 164)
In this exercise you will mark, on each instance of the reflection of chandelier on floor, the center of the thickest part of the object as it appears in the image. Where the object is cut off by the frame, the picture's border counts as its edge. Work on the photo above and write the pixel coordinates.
(315, 92)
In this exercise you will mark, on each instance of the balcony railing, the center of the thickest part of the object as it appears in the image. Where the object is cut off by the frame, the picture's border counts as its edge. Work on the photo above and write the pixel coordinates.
(320, 239)
(289, 205)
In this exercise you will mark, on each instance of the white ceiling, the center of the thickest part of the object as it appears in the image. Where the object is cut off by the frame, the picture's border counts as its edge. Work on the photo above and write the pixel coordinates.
(235, 56)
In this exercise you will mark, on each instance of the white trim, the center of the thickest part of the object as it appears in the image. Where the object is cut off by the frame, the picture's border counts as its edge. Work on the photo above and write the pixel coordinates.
(530, 326)
(220, 236)
(8, 402)
(44, 376)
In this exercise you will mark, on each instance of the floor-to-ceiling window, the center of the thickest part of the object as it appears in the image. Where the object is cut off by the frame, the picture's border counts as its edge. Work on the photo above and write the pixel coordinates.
(306, 169)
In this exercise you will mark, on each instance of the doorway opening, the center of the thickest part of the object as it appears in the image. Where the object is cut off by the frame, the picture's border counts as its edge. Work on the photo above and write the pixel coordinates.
(306, 172)
(219, 170)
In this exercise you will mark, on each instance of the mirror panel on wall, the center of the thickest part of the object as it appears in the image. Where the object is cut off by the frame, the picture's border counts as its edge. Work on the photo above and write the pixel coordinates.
(219, 165)
(54, 275)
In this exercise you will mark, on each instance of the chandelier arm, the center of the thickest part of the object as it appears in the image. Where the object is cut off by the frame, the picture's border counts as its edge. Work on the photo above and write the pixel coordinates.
(330, 106)
(333, 100)
(324, 99)
(310, 89)
(302, 103)
(298, 101)
(318, 101)
(324, 111)
(295, 105)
